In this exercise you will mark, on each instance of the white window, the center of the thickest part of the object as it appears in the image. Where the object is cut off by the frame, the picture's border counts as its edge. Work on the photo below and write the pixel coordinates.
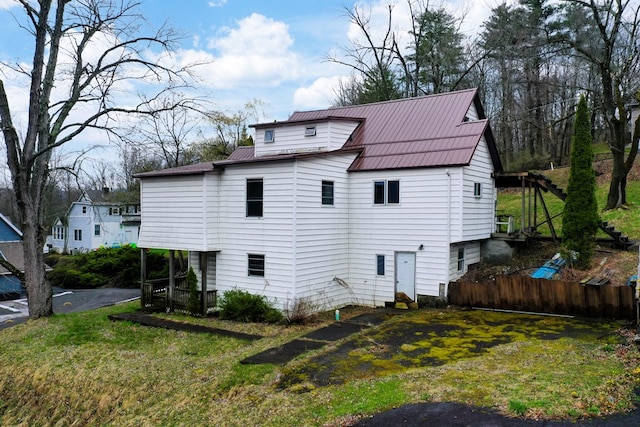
(477, 190)
(77, 235)
(58, 233)
(96, 230)
(254, 197)
(84, 209)
(256, 265)
(269, 135)
(310, 131)
(386, 192)
(380, 265)
(460, 259)
(327, 192)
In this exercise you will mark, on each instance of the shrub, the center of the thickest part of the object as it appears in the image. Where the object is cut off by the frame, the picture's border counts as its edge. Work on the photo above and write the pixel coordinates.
(242, 306)
(116, 267)
(580, 216)
(194, 296)
(301, 311)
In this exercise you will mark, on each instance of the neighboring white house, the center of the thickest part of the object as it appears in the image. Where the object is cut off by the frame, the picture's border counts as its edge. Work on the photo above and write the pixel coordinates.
(348, 205)
(94, 222)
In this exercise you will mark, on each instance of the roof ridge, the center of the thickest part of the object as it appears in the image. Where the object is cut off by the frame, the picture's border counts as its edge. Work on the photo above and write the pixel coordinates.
(389, 101)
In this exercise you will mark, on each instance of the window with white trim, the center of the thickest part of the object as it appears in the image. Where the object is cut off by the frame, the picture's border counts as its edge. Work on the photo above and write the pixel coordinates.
(255, 197)
(327, 192)
(380, 265)
(386, 192)
(84, 209)
(77, 235)
(460, 259)
(255, 264)
(96, 230)
(58, 233)
(477, 190)
(269, 135)
(310, 131)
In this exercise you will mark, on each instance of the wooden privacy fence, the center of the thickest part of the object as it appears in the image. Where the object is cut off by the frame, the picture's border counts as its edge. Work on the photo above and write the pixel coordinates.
(546, 296)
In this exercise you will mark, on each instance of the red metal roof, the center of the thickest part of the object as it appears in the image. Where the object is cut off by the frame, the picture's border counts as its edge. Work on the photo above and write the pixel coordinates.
(428, 131)
(198, 168)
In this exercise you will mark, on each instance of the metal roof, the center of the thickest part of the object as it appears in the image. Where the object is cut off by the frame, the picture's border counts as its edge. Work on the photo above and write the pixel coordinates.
(198, 168)
(427, 131)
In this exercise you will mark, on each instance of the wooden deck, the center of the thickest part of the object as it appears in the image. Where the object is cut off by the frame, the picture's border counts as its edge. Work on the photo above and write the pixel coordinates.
(156, 296)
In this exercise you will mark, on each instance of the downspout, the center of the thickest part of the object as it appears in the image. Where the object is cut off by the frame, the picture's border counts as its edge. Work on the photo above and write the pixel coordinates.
(294, 232)
(448, 207)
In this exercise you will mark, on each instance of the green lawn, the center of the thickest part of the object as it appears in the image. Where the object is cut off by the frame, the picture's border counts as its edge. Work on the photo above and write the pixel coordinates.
(82, 369)
(625, 219)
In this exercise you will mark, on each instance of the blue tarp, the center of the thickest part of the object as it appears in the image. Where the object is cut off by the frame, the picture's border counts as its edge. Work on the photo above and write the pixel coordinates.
(550, 268)
(545, 273)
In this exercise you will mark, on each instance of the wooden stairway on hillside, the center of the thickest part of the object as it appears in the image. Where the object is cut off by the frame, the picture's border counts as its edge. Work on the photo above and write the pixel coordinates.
(537, 183)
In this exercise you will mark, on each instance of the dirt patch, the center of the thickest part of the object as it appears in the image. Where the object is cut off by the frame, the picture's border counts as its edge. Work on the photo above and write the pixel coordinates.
(616, 265)
(430, 338)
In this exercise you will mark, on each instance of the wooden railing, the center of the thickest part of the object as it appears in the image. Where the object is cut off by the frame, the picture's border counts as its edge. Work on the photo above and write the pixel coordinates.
(524, 293)
(155, 296)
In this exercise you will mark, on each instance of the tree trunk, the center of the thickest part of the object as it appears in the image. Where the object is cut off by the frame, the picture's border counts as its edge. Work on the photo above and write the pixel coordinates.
(39, 293)
(618, 187)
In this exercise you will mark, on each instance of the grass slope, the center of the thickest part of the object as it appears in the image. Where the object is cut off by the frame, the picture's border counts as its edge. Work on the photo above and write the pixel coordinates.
(82, 369)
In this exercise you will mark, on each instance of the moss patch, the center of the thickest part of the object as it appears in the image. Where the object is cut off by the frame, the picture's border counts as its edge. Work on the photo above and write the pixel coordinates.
(428, 338)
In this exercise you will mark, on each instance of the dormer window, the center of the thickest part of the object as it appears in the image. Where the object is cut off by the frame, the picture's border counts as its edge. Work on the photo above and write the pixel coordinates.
(269, 135)
(310, 131)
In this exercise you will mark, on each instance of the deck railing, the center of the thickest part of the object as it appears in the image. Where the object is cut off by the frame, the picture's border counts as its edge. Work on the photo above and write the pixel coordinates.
(155, 296)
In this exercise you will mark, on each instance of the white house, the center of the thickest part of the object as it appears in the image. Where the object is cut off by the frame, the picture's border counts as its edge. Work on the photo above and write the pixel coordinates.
(348, 205)
(94, 222)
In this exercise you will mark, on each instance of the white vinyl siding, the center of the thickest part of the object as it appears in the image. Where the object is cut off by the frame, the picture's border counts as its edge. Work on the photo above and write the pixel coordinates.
(471, 256)
(270, 235)
(322, 235)
(479, 212)
(472, 113)
(291, 138)
(194, 262)
(421, 219)
(173, 213)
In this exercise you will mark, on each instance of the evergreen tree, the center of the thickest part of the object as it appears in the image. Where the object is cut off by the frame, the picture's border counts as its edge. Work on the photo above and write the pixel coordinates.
(580, 217)
(194, 296)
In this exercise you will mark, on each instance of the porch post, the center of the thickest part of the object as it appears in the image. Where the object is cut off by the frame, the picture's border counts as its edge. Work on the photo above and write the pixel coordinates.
(204, 260)
(172, 280)
(143, 275)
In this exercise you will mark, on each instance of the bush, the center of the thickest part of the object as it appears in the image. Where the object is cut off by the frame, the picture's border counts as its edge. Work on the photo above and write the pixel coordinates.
(242, 306)
(115, 267)
(301, 311)
(194, 296)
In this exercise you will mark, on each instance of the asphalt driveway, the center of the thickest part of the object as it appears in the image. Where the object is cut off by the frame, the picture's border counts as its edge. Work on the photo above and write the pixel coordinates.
(67, 301)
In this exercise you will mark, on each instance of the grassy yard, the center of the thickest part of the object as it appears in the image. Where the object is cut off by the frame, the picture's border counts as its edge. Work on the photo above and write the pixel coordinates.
(82, 369)
(625, 219)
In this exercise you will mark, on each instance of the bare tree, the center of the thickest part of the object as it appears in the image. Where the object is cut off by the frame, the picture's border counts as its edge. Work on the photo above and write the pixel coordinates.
(83, 52)
(168, 132)
(606, 34)
(373, 59)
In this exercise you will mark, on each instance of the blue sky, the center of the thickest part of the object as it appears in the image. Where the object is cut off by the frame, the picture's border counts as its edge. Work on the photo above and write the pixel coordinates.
(273, 51)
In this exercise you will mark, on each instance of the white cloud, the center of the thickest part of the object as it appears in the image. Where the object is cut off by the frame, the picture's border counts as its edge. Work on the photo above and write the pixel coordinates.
(8, 4)
(257, 52)
(218, 3)
(318, 95)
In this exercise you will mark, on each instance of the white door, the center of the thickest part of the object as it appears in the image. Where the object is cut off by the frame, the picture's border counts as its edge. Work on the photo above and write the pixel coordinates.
(406, 273)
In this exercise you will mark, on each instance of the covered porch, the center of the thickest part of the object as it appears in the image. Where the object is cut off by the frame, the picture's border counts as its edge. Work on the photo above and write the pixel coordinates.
(171, 294)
